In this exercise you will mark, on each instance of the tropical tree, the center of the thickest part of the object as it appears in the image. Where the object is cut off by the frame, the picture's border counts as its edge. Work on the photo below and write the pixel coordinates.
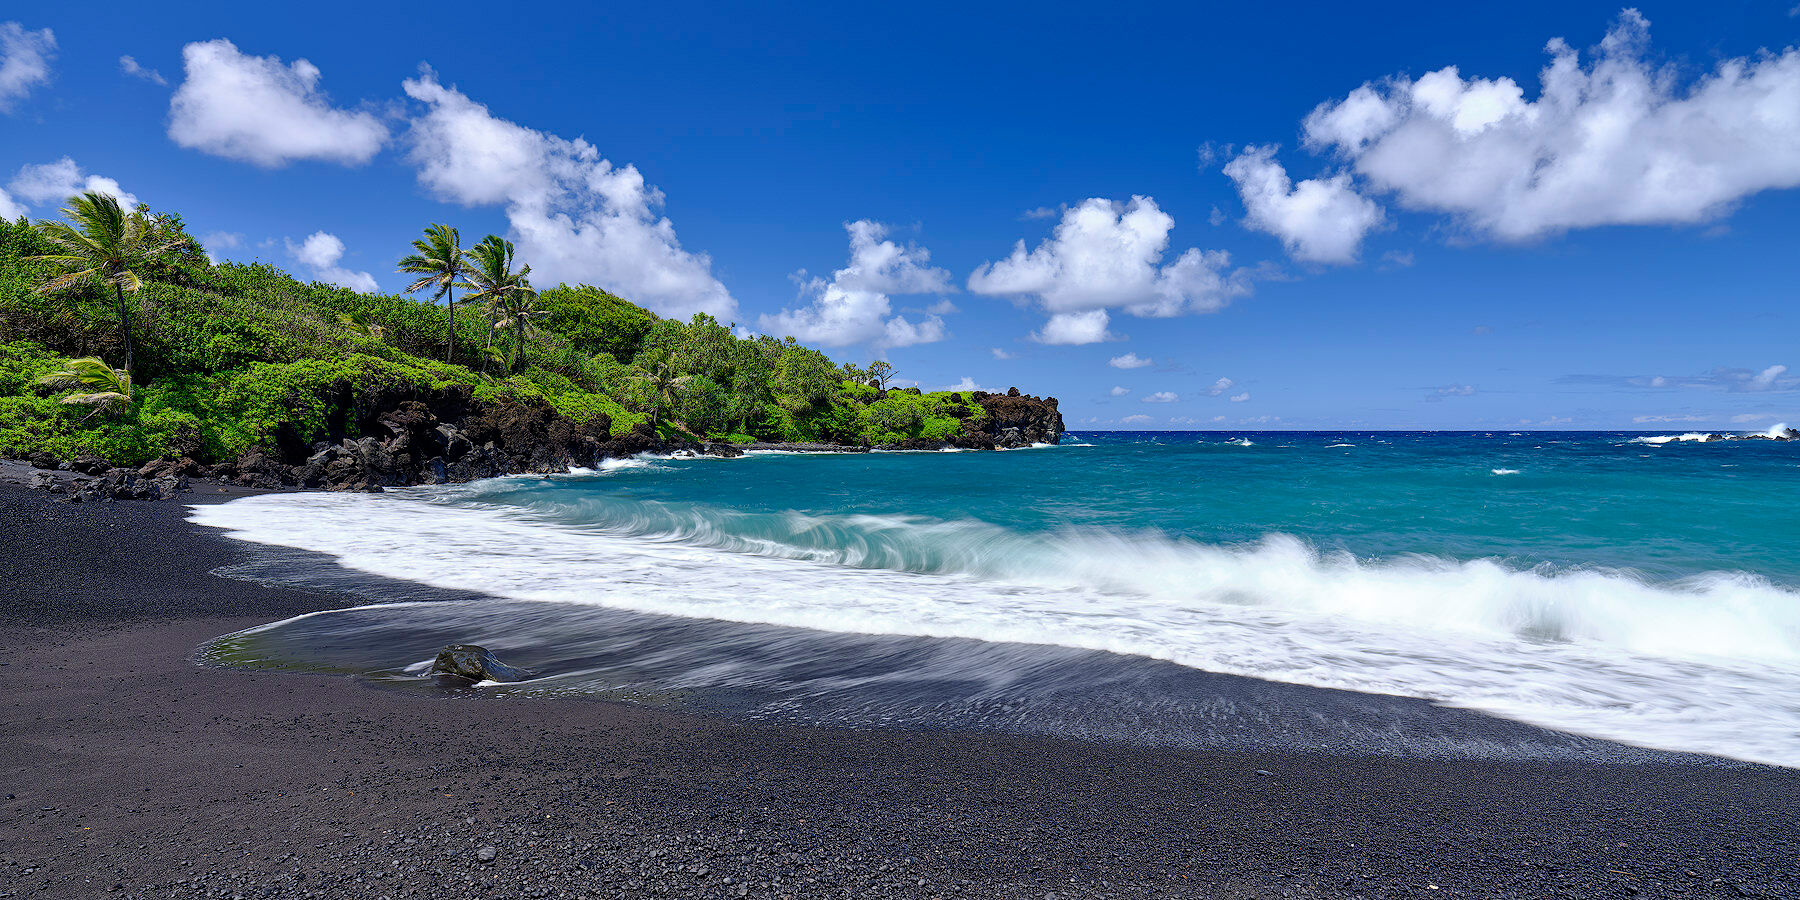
(106, 389)
(654, 388)
(506, 296)
(103, 244)
(441, 264)
(879, 373)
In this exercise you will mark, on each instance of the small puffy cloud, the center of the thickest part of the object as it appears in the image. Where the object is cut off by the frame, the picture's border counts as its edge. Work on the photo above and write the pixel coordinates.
(1765, 379)
(320, 254)
(1162, 397)
(1452, 390)
(257, 110)
(576, 217)
(1106, 255)
(1220, 387)
(24, 61)
(1317, 220)
(1075, 328)
(130, 66)
(56, 182)
(1004, 354)
(1612, 140)
(853, 307)
(1137, 420)
(217, 241)
(1240, 398)
(1120, 391)
(966, 385)
(1129, 361)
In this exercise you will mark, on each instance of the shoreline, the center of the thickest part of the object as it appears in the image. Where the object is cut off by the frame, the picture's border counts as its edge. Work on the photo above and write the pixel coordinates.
(170, 779)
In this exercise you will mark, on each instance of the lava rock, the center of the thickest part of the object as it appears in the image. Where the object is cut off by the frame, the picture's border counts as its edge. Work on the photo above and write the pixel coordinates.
(465, 664)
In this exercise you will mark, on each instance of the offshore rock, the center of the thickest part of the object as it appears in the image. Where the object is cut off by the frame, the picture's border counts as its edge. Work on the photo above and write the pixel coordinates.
(460, 665)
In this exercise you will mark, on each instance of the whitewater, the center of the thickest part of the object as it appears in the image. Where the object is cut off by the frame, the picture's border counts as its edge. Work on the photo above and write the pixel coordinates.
(1642, 593)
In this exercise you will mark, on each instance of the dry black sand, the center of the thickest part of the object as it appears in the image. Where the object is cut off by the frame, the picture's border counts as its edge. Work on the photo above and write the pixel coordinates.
(129, 771)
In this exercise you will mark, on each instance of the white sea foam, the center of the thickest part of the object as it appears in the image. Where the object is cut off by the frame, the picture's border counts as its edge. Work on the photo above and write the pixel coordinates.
(1329, 446)
(1506, 471)
(1710, 664)
(1692, 436)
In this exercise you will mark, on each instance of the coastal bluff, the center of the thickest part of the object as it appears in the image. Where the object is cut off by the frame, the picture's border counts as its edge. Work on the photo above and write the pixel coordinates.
(397, 438)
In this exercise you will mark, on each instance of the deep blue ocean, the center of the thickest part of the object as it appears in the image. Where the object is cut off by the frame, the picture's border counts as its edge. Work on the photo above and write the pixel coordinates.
(1639, 588)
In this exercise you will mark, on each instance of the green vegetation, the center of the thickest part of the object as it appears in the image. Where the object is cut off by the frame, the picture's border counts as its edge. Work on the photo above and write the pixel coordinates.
(119, 338)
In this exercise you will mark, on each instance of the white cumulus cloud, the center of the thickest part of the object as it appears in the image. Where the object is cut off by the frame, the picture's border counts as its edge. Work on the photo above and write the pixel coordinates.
(24, 61)
(1120, 391)
(1318, 220)
(1220, 387)
(1004, 354)
(1106, 255)
(320, 253)
(853, 306)
(1075, 328)
(1129, 361)
(1240, 398)
(1609, 141)
(257, 110)
(575, 216)
(1162, 397)
(56, 182)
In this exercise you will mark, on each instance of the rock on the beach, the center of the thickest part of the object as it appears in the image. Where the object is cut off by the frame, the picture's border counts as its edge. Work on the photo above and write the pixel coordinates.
(459, 663)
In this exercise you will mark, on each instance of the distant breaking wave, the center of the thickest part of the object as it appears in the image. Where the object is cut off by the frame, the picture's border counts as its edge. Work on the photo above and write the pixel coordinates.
(1704, 664)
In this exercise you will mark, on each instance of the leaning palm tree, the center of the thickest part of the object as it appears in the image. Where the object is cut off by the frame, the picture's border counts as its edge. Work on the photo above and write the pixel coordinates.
(440, 264)
(506, 296)
(107, 389)
(103, 244)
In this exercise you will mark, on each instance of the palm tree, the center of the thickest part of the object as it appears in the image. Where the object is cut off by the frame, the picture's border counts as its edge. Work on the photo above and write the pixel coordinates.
(109, 389)
(655, 388)
(440, 264)
(103, 244)
(506, 296)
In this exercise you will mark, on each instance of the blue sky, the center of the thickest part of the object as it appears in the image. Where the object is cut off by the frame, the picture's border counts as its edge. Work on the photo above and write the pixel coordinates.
(1336, 230)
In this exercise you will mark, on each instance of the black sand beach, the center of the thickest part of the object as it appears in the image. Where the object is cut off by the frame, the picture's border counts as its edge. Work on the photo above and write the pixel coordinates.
(130, 771)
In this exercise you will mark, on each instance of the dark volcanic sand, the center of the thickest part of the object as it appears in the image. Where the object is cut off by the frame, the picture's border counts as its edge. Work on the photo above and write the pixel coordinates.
(130, 771)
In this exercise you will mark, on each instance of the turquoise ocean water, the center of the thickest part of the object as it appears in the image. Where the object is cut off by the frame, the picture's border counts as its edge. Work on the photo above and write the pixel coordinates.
(1625, 586)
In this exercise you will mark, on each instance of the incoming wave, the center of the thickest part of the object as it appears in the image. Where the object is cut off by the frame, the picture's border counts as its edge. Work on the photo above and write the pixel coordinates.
(1706, 664)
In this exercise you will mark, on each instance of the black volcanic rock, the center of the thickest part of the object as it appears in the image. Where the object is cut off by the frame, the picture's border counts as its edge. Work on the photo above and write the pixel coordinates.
(1016, 420)
(463, 664)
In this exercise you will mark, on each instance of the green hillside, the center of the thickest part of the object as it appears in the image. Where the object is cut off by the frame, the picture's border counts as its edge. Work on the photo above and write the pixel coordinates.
(227, 356)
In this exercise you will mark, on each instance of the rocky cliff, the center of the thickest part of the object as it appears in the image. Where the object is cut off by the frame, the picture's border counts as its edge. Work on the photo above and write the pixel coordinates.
(405, 437)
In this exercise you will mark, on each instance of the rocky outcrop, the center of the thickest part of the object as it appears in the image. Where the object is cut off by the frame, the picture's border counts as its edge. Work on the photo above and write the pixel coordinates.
(1016, 420)
(114, 484)
(404, 439)
(460, 665)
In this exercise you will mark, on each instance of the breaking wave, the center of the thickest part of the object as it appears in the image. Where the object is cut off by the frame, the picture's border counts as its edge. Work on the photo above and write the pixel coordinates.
(1705, 663)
